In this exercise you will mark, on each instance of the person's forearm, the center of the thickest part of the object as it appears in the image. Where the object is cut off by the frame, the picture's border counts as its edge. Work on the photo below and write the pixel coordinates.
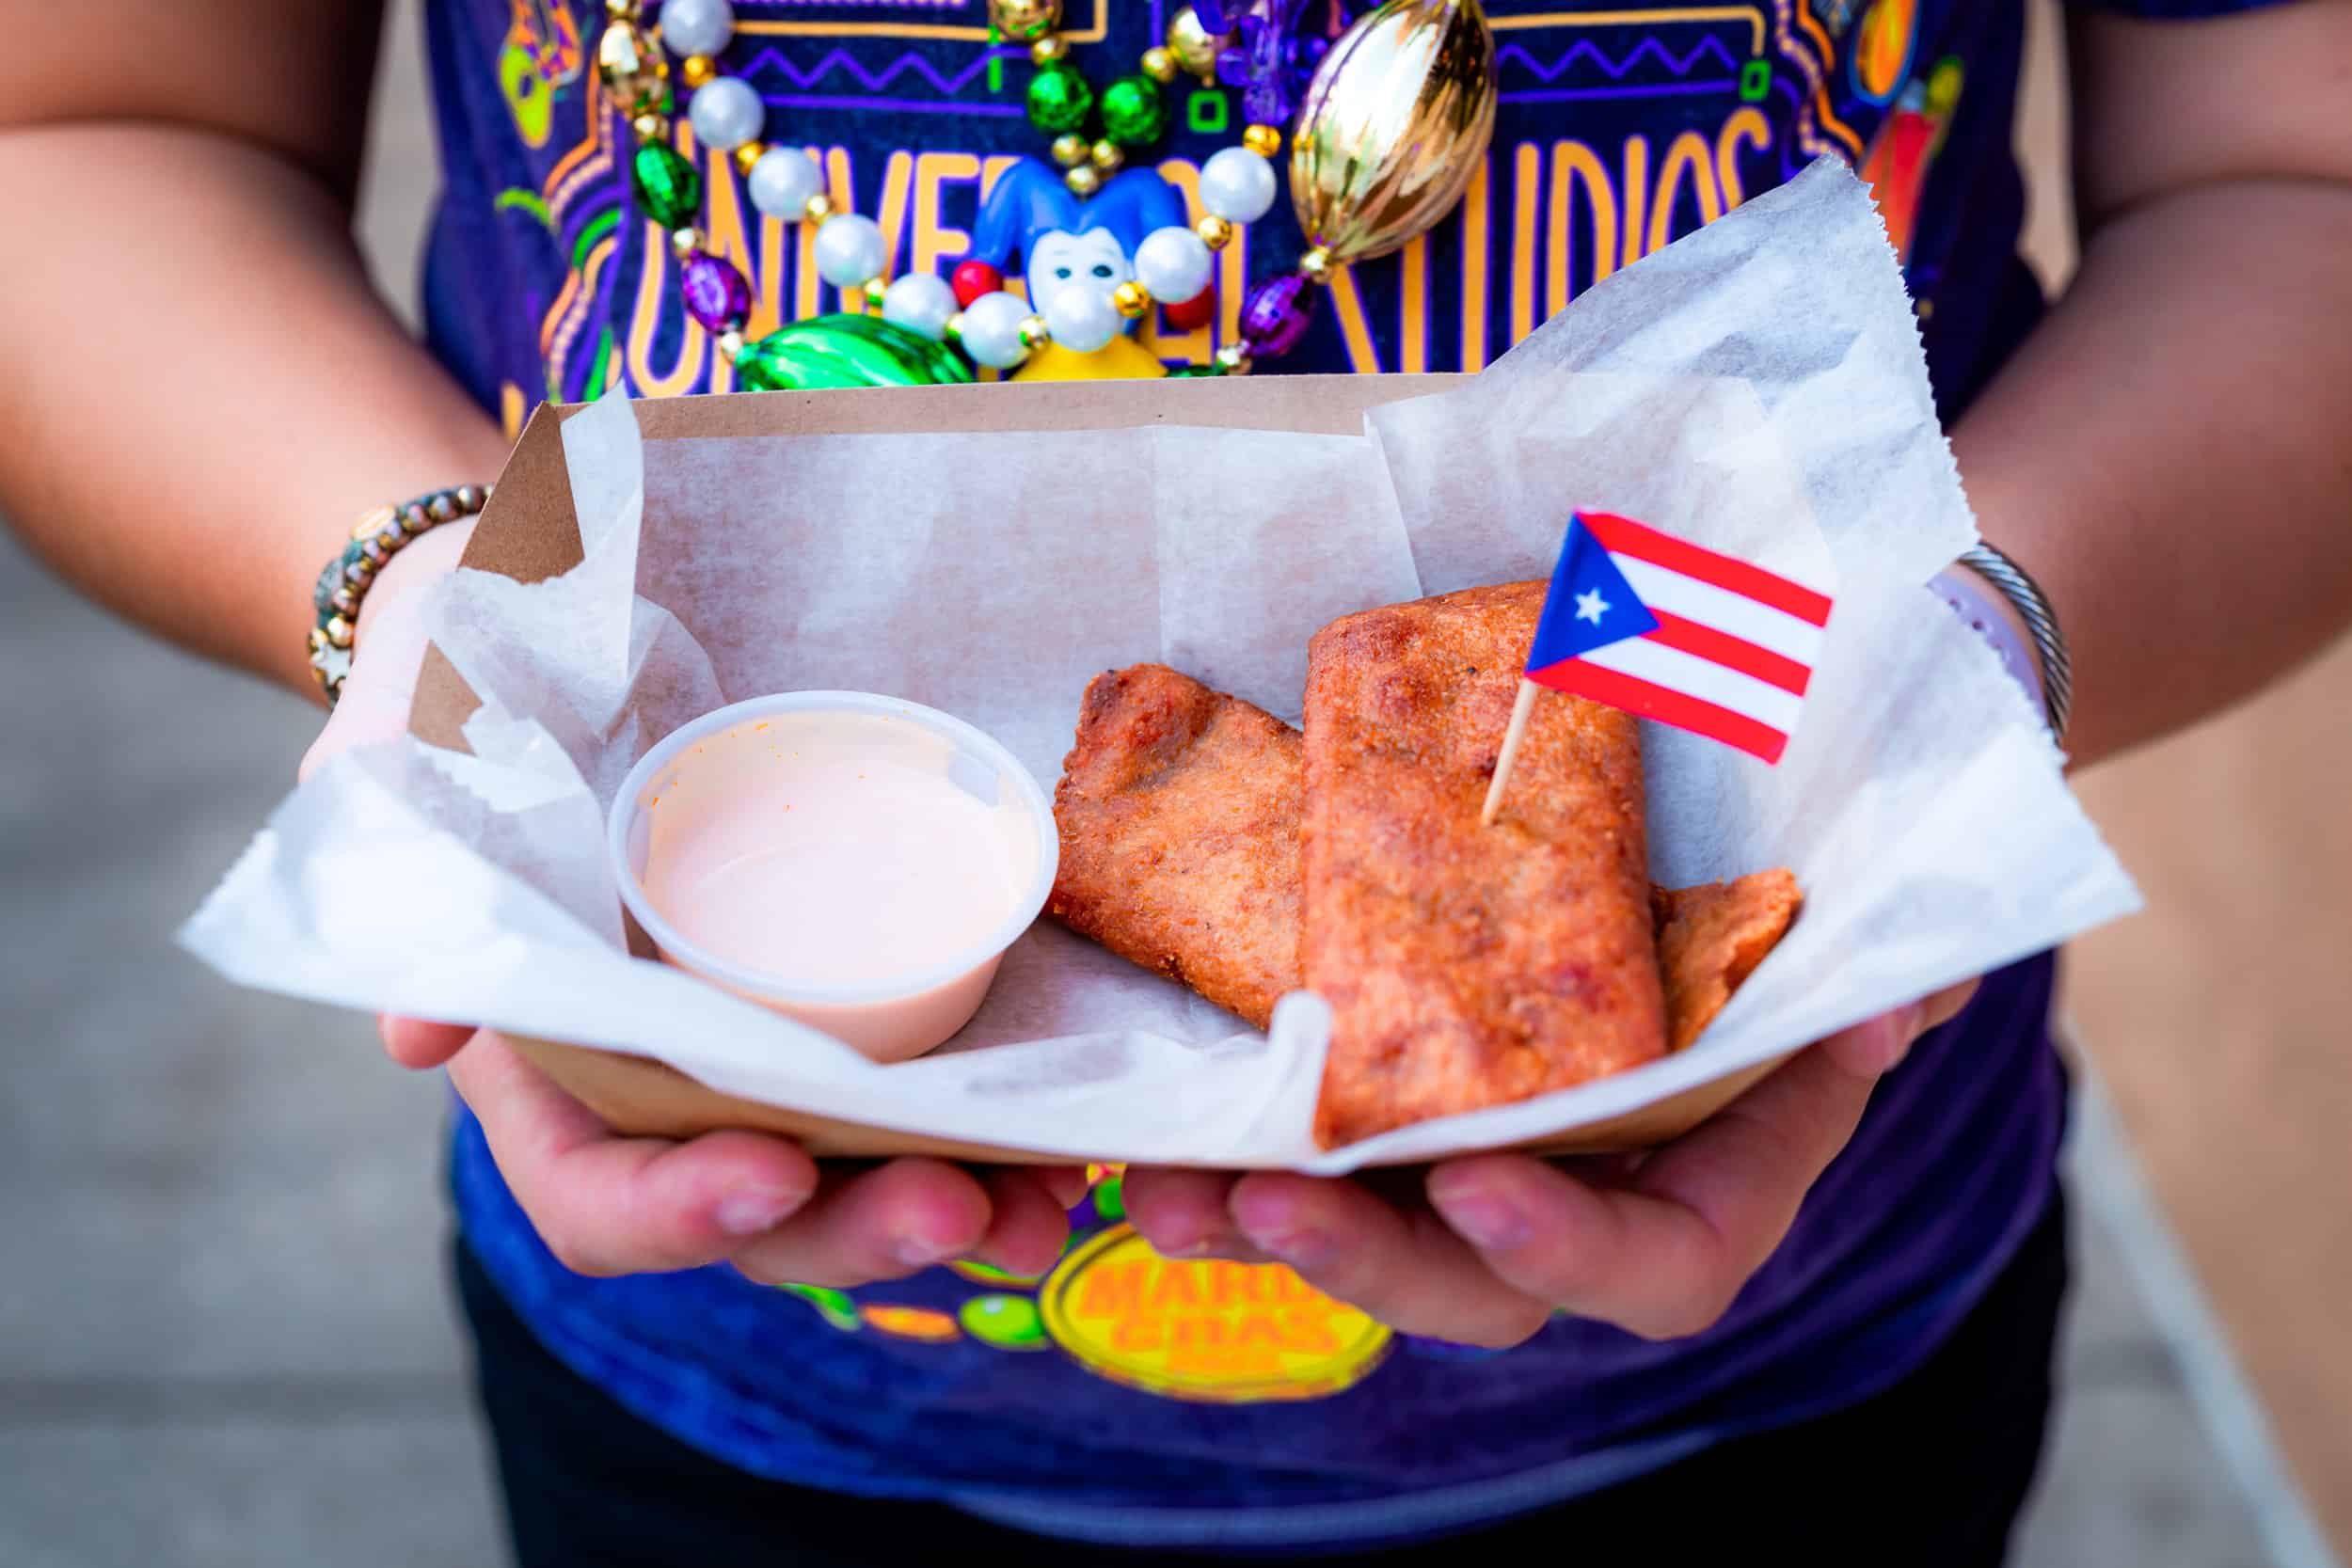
(200, 388)
(2170, 454)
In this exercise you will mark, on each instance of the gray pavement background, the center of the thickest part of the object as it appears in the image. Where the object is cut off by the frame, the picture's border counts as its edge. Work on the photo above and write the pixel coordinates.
(225, 1333)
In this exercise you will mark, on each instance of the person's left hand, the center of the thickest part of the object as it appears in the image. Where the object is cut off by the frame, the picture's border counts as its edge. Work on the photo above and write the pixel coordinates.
(1492, 1245)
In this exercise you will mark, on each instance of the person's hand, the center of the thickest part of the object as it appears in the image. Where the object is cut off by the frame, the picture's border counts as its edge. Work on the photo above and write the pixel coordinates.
(1484, 1250)
(610, 1205)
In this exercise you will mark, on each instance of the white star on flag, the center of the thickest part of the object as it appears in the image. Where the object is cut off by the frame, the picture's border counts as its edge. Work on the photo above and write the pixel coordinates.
(1591, 607)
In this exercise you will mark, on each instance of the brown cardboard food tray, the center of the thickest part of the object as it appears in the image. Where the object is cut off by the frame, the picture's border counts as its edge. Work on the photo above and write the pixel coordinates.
(529, 533)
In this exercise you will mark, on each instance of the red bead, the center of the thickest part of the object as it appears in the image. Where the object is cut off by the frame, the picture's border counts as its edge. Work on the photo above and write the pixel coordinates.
(973, 279)
(1195, 313)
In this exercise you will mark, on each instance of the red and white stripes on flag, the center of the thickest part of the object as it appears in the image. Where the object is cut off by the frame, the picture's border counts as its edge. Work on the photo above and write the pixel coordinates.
(1732, 653)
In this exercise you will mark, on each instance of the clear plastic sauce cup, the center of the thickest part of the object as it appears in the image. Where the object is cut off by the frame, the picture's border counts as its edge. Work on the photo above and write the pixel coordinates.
(858, 863)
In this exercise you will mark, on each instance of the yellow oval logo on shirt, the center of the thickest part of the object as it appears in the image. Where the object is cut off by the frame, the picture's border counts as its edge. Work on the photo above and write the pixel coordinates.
(1203, 1329)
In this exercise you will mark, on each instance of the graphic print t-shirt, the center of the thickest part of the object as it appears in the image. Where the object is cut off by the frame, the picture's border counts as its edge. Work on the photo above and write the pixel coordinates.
(1618, 130)
(1123, 1397)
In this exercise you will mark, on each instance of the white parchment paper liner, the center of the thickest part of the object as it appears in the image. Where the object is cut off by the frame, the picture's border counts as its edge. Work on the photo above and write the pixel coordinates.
(1758, 387)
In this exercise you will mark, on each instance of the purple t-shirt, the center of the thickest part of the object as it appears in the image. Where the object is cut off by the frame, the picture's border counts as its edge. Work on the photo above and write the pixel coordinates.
(1123, 1397)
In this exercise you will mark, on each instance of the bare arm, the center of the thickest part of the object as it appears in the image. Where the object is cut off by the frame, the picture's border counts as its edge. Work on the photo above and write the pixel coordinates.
(2172, 452)
(202, 388)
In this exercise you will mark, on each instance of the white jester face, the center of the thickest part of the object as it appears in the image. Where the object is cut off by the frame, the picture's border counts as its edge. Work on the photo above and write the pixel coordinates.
(1060, 260)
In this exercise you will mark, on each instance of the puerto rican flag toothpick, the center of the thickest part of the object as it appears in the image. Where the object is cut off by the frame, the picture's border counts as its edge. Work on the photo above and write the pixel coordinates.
(1673, 631)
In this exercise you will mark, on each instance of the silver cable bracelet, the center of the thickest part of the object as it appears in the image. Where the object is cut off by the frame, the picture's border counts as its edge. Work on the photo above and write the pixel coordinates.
(2034, 609)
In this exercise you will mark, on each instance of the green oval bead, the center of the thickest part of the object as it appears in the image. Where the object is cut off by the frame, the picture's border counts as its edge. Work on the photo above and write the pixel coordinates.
(1212, 368)
(846, 350)
(761, 367)
(1007, 1323)
(1134, 113)
(669, 191)
(1059, 99)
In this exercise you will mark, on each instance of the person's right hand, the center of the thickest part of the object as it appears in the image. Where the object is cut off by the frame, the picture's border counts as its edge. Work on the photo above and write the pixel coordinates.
(609, 1205)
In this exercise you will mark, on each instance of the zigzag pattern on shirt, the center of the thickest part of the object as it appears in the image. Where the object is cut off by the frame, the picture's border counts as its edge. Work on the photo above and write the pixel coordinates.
(773, 61)
(949, 83)
(1585, 50)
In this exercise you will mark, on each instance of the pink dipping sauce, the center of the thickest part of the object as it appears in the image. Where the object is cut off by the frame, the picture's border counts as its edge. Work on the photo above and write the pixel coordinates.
(821, 856)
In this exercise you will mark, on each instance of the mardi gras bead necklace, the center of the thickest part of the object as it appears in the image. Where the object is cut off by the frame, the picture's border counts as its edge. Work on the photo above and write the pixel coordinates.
(1394, 122)
(1060, 101)
(1237, 184)
(1395, 119)
(903, 345)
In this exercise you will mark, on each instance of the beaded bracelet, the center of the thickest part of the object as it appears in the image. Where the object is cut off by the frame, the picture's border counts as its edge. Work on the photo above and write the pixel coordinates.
(376, 538)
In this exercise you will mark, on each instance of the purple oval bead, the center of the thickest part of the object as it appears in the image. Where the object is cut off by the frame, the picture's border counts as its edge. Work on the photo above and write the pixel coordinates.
(717, 295)
(1275, 315)
(1266, 104)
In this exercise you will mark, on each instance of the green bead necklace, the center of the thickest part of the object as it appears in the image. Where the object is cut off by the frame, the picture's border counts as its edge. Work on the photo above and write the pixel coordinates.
(1061, 103)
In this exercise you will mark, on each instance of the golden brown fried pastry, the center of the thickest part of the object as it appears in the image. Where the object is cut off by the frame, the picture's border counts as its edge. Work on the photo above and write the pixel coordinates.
(1179, 810)
(1711, 938)
(1158, 754)
(1466, 966)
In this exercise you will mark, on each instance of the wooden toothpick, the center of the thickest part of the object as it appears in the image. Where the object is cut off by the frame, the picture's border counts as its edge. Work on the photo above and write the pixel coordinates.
(1511, 738)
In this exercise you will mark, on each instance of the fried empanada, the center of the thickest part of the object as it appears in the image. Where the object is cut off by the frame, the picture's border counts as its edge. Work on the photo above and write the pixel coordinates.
(1467, 965)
